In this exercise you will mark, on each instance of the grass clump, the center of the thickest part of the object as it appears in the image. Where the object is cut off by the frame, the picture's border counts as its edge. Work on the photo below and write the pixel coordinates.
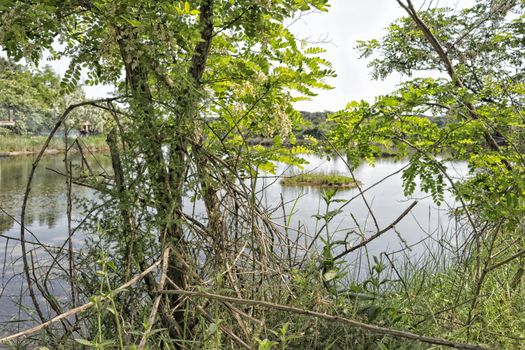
(319, 180)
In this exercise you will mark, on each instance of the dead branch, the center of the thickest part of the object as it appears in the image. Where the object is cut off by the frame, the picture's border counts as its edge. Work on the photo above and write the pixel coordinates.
(81, 308)
(353, 323)
(378, 233)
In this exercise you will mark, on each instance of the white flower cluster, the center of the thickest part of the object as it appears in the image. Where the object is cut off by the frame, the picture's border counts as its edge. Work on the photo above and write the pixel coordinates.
(284, 124)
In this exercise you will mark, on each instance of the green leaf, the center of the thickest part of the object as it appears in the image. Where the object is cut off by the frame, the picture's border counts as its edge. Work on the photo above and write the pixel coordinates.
(212, 329)
(373, 312)
(268, 167)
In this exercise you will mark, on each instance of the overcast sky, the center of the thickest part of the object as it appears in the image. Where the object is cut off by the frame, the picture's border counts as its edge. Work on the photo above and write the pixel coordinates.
(346, 22)
(338, 29)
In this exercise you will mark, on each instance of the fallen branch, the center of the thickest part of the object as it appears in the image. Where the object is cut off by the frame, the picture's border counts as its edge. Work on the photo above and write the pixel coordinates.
(79, 309)
(156, 303)
(364, 326)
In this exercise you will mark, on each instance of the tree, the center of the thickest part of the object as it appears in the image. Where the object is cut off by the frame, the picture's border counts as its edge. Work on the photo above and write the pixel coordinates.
(31, 97)
(35, 97)
(199, 78)
(465, 67)
(478, 92)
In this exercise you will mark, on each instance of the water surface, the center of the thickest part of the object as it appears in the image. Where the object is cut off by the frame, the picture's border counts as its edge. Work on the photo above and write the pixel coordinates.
(46, 213)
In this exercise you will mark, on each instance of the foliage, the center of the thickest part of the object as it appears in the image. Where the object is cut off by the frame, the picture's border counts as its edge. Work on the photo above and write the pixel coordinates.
(32, 97)
(203, 77)
(200, 78)
(35, 98)
(481, 101)
(464, 68)
(314, 127)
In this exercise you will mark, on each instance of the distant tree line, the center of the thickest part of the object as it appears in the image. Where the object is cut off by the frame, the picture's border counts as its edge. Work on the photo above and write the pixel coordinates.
(316, 124)
(34, 98)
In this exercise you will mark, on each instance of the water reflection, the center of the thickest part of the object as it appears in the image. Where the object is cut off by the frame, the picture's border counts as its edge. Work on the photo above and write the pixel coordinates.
(46, 207)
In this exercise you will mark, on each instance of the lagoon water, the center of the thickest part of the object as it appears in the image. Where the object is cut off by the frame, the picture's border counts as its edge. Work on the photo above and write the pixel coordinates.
(426, 225)
(46, 217)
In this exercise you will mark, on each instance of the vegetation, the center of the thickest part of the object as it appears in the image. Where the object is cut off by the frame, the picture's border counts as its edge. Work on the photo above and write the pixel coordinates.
(306, 131)
(316, 179)
(33, 98)
(24, 144)
(480, 95)
(29, 97)
(203, 77)
(314, 125)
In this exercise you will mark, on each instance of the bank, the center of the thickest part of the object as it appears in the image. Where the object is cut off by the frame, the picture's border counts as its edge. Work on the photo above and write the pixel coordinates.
(20, 145)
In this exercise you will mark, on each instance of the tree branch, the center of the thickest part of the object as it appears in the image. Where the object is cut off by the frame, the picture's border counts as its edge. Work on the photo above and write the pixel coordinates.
(379, 233)
(353, 323)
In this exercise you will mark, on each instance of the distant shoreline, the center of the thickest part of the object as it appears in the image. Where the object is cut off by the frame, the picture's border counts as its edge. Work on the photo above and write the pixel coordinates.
(28, 153)
(24, 145)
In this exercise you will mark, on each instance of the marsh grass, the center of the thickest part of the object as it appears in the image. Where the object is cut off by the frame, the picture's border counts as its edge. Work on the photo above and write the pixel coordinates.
(319, 180)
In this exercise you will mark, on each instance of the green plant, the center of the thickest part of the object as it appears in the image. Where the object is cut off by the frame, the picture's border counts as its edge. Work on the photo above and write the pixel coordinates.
(321, 180)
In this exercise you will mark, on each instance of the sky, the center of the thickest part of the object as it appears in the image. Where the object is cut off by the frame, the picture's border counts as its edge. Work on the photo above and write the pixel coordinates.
(346, 22)
(337, 31)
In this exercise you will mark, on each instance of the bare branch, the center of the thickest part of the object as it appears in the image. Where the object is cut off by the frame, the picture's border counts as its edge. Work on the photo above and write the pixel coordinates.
(353, 323)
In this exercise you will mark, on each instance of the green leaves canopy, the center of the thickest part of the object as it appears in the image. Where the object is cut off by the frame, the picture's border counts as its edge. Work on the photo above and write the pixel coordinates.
(471, 108)
(31, 96)
(254, 71)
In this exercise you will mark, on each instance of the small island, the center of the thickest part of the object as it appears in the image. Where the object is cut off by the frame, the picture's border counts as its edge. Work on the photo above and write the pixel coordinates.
(319, 180)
